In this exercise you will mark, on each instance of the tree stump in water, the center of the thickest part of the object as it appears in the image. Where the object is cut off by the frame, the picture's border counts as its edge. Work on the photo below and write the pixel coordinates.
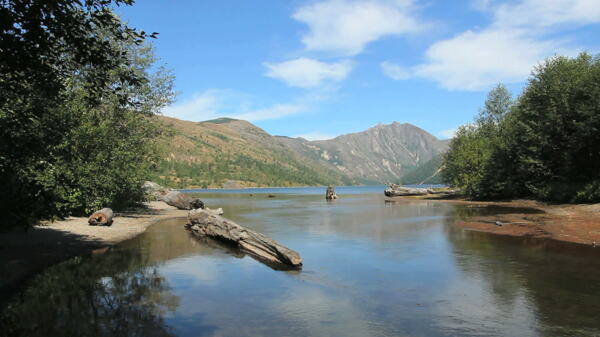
(330, 193)
(182, 201)
(103, 217)
(203, 223)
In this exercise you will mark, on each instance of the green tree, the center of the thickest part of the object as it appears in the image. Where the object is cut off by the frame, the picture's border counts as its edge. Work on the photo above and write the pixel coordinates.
(469, 158)
(64, 65)
(545, 146)
(557, 130)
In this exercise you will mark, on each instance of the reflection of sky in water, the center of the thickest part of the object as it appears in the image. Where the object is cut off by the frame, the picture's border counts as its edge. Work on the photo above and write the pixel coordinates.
(371, 268)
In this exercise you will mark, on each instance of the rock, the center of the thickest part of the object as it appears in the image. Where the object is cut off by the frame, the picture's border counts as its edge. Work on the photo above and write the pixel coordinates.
(103, 217)
(330, 193)
(206, 223)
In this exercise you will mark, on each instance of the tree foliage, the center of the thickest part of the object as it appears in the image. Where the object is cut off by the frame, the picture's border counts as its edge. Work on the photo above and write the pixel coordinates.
(545, 146)
(75, 110)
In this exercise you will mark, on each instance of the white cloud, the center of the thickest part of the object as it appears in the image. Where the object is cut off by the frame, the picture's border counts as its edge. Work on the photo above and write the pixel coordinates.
(447, 134)
(508, 49)
(345, 27)
(272, 112)
(306, 73)
(477, 60)
(199, 107)
(546, 13)
(214, 103)
(394, 71)
(316, 135)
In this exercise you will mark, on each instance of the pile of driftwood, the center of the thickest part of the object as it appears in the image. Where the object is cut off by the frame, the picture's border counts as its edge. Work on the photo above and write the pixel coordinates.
(207, 223)
(400, 191)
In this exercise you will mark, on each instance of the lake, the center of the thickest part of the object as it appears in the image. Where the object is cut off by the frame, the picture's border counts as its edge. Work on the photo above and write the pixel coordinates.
(371, 268)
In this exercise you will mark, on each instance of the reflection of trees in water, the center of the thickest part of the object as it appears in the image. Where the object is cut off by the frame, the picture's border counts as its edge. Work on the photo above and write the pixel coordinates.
(115, 294)
(562, 281)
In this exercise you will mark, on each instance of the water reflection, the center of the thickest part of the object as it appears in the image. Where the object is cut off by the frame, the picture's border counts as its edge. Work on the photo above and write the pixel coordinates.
(556, 285)
(371, 269)
(116, 294)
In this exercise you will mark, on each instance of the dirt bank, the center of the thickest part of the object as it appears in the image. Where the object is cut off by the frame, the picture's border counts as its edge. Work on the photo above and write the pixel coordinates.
(570, 223)
(22, 254)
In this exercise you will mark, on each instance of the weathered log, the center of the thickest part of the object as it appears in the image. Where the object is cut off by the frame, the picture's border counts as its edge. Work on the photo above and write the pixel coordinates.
(182, 200)
(399, 191)
(203, 223)
(103, 217)
(330, 193)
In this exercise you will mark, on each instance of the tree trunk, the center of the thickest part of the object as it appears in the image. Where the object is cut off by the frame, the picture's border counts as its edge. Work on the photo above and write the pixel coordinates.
(330, 193)
(103, 217)
(398, 191)
(203, 223)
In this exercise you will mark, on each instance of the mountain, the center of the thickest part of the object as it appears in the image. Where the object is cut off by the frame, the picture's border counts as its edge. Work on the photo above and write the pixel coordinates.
(380, 154)
(233, 153)
(428, 173)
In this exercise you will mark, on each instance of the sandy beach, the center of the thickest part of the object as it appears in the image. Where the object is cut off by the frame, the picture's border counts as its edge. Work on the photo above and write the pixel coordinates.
(23, 254)
(575, 223)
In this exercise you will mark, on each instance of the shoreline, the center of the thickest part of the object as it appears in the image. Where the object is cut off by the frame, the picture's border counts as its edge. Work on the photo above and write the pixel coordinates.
(572, 223)
(25, 254)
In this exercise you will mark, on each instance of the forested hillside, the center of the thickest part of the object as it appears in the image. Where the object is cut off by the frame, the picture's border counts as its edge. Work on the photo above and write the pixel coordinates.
(543, 145)
(232, 153)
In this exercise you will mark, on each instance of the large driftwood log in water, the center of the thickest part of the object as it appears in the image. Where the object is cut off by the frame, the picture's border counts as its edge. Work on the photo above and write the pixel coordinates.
(103, 217)
(203, 223)
(398, 191)
(181, 200)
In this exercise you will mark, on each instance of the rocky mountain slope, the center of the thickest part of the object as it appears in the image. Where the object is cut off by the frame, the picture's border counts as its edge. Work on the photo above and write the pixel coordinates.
(235, 153)
(380, 154)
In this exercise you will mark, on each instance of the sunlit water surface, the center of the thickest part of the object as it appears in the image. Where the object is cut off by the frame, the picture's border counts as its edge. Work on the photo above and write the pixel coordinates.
(371, 268)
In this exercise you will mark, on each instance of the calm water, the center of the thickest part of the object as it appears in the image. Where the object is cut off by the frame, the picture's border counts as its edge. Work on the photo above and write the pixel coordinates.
(372, 268)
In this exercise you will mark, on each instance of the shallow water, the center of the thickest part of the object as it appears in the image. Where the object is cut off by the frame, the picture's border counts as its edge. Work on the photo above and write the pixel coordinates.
(371, 268)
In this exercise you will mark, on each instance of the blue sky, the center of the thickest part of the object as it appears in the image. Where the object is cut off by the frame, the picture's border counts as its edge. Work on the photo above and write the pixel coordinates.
(319, 69)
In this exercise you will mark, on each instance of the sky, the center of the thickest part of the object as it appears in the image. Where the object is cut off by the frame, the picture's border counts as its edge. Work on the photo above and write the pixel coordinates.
(318, 69)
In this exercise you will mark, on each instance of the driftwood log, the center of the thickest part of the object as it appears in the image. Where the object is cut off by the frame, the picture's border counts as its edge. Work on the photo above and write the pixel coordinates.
(203, 223)
(400, 191)
(330, 193)
(103, 217)
(181, 200)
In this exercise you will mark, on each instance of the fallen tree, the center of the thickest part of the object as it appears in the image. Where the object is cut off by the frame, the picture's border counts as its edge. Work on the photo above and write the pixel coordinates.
(103, 217)
(401, 191)
(205, 223)
(398, 191)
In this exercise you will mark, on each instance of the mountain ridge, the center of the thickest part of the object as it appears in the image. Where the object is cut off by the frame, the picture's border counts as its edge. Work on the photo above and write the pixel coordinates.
(228, 152)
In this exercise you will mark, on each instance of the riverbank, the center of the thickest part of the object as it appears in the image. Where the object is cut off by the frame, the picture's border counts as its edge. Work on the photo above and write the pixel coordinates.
(575, 223)
(23, 254)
